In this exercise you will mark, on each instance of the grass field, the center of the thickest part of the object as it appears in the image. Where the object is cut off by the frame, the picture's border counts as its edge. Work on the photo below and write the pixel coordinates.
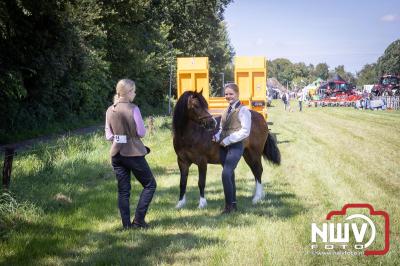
(63, 206)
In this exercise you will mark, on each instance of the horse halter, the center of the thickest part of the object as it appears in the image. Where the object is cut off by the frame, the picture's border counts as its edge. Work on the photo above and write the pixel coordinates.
(203, 122)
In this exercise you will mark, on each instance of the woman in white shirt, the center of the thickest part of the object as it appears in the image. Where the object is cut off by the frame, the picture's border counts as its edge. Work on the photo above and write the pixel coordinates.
(234, 128)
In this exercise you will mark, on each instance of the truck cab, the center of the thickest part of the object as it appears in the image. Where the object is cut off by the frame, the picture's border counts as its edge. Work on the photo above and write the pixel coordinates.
(387, 85)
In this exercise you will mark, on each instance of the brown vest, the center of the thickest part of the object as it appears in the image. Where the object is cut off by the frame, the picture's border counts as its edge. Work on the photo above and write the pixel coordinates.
(120, 118)
(231, 123)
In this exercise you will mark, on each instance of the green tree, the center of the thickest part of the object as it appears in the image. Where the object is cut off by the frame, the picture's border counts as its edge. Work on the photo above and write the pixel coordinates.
(367, 75)
(389, 62)
(282, 70)
(137, 48)
(60, 60)
(347, 76)
(197, 29)
(322, 71)
(46, 70)
(299, 82)
(301, 70)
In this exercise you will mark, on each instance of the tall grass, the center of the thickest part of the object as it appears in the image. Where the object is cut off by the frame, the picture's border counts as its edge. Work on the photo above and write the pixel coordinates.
(13, 213)
(63, 208)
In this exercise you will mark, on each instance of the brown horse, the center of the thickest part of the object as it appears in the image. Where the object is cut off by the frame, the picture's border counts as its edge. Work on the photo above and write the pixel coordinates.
(193, 128)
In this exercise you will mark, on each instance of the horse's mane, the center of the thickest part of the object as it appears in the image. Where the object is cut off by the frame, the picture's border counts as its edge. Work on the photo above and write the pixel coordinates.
(180, 117)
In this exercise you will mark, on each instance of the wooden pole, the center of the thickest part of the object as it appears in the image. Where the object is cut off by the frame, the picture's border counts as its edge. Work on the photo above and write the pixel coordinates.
(151, 125)
(7, 166)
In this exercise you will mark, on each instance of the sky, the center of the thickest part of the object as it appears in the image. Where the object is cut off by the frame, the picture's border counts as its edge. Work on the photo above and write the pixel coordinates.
(337, 32)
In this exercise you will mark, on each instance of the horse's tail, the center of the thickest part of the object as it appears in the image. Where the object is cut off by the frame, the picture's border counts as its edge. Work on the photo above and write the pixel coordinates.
(271, 151)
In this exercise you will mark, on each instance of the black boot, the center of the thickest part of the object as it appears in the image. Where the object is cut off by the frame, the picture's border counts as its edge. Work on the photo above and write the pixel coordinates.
(234, 206)
(228, 209)
(139, 225)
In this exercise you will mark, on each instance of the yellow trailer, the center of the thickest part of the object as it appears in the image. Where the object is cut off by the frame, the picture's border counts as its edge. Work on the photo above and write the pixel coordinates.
(192, 74)
(250, 76)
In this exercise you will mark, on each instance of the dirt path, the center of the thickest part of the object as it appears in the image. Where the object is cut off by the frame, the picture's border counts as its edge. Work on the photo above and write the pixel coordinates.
(27, 144)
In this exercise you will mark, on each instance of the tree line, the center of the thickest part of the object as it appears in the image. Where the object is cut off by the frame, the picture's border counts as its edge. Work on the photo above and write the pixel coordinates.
(60, 60)
(299, 74)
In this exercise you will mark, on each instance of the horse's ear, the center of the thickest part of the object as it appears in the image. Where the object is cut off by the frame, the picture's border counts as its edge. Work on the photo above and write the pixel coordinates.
(201, 92)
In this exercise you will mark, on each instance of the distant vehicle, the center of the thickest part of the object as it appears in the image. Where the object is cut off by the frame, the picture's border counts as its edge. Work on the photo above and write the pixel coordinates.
(336, 87)
(387, 85)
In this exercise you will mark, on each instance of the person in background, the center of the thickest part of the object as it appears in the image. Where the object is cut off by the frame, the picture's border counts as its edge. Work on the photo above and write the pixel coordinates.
(234, 128)
(286, 100)
(365, 99)
(301, 98)
(124, 127)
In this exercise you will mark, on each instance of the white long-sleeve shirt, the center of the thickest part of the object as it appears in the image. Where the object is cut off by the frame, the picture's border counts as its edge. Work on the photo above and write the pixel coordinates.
(241, 134)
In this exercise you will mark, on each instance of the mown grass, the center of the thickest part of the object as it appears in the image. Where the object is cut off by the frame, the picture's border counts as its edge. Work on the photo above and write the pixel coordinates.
(63, 206)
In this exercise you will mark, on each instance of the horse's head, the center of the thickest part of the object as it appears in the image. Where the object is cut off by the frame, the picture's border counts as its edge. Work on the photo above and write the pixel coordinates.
(192, 106)
(198, 111)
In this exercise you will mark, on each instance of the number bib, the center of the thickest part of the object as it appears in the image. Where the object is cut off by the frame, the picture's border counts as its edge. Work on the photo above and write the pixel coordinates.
(120, 138)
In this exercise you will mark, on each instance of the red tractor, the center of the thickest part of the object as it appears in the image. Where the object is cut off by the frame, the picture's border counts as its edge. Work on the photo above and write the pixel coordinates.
(336, 86)
(387, 85)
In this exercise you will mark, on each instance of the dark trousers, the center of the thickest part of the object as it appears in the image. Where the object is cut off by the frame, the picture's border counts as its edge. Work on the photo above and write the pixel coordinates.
(300, 105)
(230, 157)
(138, 165)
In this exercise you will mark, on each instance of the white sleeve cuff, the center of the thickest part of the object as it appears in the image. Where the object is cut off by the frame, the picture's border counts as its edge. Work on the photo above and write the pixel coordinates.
(226, 141)
(217, 136)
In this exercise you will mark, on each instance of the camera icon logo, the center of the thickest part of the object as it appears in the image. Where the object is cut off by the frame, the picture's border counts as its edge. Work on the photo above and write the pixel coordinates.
(336, 235)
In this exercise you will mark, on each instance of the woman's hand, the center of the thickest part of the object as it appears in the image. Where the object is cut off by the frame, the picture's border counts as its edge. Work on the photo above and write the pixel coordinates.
(215, 138)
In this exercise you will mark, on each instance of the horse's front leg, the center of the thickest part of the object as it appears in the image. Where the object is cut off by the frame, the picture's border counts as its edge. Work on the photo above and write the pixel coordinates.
(184, 170)
(202, 184)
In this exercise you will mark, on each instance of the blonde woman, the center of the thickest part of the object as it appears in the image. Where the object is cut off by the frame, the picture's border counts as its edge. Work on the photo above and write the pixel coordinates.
(124, 127)
(234, 128)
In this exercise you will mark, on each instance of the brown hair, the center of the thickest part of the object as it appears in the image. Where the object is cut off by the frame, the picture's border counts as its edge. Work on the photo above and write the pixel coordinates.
(232, 86)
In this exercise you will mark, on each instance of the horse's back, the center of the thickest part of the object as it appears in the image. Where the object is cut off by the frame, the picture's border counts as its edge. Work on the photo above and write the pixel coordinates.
(258, 133)
(258, 123)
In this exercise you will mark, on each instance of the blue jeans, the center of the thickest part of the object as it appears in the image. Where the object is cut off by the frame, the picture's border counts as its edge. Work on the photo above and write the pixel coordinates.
(230, 157)
(138, 165)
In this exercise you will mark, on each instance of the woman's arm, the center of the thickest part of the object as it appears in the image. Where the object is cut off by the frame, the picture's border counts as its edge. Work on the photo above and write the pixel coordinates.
(244, 132)
(108, 131)
(137, 116)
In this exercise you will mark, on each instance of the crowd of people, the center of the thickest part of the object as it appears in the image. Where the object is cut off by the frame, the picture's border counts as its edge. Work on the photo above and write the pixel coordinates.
(300, 96)
(366, 101)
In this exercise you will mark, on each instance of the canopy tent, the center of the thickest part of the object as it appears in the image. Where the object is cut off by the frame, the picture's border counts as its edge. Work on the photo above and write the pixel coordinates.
(317, 82)
(311, 88)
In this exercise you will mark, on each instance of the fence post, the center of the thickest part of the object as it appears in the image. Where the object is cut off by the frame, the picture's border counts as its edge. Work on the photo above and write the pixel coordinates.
(7, 166)
(151, 125)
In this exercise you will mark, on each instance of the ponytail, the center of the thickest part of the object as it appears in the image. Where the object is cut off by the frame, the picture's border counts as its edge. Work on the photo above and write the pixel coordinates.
(123, 87)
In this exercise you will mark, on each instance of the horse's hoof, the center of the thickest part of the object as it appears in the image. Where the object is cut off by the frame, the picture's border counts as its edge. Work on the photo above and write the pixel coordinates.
(181, 203)
(258, 198)
(259, 193)
(202, 203)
